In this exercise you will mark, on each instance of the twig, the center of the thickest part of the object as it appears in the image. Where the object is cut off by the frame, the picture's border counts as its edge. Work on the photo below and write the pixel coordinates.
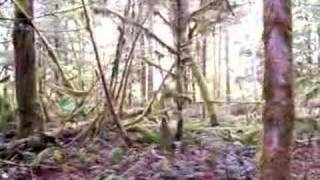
(162, 18)
(11, 163)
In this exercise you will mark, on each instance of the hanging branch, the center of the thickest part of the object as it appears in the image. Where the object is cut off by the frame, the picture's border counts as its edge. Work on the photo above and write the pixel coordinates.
(133, 23)
(115, 117)
(50, 50)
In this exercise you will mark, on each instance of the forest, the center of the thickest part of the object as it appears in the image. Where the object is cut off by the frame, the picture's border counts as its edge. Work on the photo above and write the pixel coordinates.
(160, 90)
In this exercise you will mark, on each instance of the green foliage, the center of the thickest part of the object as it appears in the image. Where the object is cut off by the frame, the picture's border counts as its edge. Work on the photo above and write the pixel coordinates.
(5, 113)
(68, 104)
(250, 137)
(144, 135)
(314, 92)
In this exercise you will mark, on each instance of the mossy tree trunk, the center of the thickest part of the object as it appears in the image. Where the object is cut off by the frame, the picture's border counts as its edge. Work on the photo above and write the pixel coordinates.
(278, 116)
(24, 55)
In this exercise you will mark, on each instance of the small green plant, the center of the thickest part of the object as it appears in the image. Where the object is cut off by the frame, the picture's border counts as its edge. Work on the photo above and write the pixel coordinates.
(5, 113)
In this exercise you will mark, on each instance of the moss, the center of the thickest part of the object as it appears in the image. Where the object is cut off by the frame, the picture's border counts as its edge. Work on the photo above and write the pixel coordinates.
(145, 135)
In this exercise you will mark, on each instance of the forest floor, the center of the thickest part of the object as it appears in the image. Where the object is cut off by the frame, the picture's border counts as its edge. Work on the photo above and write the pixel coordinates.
(207, 153)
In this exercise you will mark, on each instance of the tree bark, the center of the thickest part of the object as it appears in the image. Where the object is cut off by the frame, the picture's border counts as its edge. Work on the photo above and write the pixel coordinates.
(25, 66)
(278, 116)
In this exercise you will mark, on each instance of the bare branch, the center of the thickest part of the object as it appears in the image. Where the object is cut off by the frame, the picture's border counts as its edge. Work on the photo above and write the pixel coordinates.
(133, 23)
(162, 18)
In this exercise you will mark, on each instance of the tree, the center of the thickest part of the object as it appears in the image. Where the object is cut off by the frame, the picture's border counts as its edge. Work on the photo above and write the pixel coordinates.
(278, 116)
(228, 90)
(179, 23)
(24, 56)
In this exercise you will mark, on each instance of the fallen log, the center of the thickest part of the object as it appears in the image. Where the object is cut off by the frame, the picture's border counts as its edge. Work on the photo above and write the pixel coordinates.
(34, 143)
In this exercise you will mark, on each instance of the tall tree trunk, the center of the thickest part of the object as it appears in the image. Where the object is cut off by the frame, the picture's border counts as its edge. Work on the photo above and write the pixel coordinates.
(228, 91)
(24, 56)
(219, 61)
(179, 22)
(309, 44)
(143, 70)
(150, 68)
(215, 68)
(204, 68)
(278, 116)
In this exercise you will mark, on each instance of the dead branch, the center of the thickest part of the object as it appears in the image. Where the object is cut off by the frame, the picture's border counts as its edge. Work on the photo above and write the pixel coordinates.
(162, 18)
(104, 83)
